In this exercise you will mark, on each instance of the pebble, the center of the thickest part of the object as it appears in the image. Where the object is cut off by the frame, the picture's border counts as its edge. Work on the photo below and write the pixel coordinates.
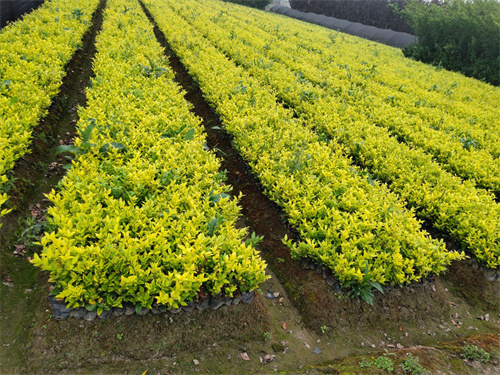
(196, 362)
(105, 314)
(90, 315)
(215, 303)
(129, 310)
(203, 304)
(317, 350)
(247, 297)
(118, 311)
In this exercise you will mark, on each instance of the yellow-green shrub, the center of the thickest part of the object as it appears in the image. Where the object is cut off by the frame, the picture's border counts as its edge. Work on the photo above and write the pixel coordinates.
(345, 219)
(147, 218)
(34, 52)
(336, 104)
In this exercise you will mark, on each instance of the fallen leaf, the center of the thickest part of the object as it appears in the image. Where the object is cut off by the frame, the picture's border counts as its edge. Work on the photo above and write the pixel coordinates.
(9, 279)
(276, 294)
(244, 356)
(399, 346)
(307, 345)
(280, 300)
(452, 303)
(390, 346)
(284, 343)
(283, 326)
(487, 317)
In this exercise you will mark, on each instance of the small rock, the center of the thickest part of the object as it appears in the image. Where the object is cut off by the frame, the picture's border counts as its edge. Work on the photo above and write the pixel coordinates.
(280, 300)
(247, 297)
(78, 313)
(175, 311)
(129, 310)
(236, 301)
(118, 311)
(307, 345)
(244, 356)
(155, 311)
(203, 304)
(144, 311)
(105, 314)
(270, 295)
(317, 350)
(90, 315)
(268, 358)
(189, 307)
(196, 362)
(373, 345)
(487, 317)
(9, 284)
(433, 287)
(228, 301)
(215, 303)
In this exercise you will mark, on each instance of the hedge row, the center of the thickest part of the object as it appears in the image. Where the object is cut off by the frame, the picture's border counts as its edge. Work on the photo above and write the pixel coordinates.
(34, 53)
(347, 222)
(468, 214)
(143, 216)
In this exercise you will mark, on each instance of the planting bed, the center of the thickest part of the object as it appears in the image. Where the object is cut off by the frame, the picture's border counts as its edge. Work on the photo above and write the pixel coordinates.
(301, 319)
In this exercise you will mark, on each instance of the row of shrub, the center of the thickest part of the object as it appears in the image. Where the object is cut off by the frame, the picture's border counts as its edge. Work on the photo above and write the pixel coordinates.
(458, 145)
(353, 226)
(336, 109)
(143, 215)
(34, 53)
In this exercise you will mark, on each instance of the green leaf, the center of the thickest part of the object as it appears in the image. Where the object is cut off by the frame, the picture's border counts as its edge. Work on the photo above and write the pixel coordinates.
(189, 135)
(69, 148)
(377, 286)
(13, 100)
(107, 146)
(138, 308)
(90, 307)
(217, 197)
(88, 130)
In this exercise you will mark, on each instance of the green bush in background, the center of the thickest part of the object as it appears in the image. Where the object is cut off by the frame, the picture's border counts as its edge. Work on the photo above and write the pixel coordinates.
(459, 35)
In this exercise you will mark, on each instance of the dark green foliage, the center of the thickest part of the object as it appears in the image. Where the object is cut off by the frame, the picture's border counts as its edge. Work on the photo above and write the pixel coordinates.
(259, 4)
(458, 35)
(378, 13)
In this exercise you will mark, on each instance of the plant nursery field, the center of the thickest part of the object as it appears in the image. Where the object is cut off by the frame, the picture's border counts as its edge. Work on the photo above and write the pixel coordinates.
(196, 186)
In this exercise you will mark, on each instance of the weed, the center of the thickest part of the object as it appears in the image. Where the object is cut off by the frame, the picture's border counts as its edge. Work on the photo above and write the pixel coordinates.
(267, 336)
(119, 336)
(411, 365)
(281, 260)
(384, 363)
(365, 363)
(473, 353)
(364, 290)
(325, 329)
